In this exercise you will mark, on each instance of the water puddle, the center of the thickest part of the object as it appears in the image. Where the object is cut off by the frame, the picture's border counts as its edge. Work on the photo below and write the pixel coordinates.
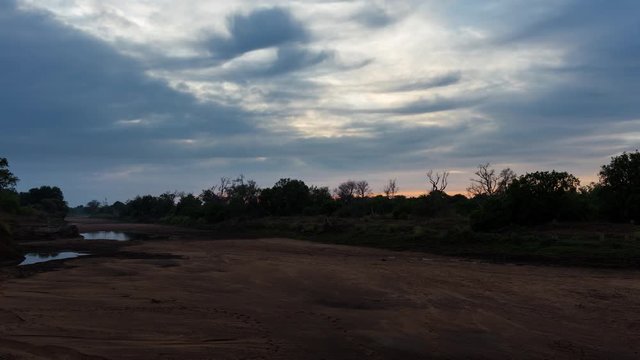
(108, 235)
(34, 258)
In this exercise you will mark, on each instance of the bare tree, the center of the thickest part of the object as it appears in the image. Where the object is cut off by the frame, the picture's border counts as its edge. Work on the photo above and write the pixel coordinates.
(488, 182)
(363, 189)
(216, 193)
(505, 179)
(242, 191)
(438, 181)
(346, 190)
(391, 189)
(223, 187)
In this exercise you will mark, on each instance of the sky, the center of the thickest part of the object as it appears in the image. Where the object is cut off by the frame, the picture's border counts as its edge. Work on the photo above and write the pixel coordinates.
(109, 99)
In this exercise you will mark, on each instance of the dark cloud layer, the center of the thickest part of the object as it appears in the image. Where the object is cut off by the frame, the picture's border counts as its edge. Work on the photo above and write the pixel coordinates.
(594, 87)
(75, 112)
(431, 83)
(67, 96)
(260, 29)
(373, 17)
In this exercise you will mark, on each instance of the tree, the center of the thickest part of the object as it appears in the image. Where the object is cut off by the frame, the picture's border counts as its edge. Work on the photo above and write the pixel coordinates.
(506, 177)
(243, 192)
(118, 208)
(346, 190)
(488, 182)
(390, 189)
(533, 198)
(93, 206)
(543, 196)
(49, 199)
(620, 187)
(362, 189)
(286, 197)
(216, 193)
(321, 200)
(189, 205)
(438, 181)
(8, 181)
(149, 207)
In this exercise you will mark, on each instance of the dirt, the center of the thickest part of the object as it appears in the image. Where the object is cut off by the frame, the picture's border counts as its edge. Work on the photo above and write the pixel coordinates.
(180, 296)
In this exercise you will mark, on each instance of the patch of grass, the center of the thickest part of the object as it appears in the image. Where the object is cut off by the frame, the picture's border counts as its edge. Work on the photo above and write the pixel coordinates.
(450, 236)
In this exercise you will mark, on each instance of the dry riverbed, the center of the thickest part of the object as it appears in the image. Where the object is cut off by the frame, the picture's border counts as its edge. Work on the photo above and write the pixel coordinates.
(178, 295)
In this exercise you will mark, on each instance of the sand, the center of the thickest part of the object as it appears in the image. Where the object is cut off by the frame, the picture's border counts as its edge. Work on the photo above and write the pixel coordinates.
(186, 297)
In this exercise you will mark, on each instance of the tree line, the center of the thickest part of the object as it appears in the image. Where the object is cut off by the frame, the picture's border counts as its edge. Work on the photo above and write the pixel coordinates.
(497, 199)
(45, 200)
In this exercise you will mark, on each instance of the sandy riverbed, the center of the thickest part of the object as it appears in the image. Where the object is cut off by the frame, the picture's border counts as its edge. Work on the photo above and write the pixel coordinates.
(287, 299)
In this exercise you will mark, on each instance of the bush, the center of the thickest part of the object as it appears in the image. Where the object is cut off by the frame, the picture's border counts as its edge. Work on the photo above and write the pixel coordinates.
(48, 199)
(494, 213)
(9, 202)
(532, 199)
(620, 188)
(8, 250)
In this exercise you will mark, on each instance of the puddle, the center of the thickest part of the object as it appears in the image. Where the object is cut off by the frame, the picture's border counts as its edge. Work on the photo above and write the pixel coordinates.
(34, 258)
(108, 235)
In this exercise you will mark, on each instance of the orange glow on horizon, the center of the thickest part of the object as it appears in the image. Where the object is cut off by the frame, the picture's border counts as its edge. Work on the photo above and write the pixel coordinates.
(416, 193)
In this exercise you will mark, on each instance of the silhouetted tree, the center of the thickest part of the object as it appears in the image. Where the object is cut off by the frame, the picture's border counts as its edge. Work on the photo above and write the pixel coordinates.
(149, 207)
(346, 190)
(435, 204)
(189, 205)
(286, 197)
(9, 200)
(8, 181)
(118, 208)
(488, 183)
(391, 189)
(620, 187)
(506, 177)
(362, 189)
(49, 199)
(533, 198)
(544, 196)
(438, 181)
(93, 207)
(321, 201)
(243, 191)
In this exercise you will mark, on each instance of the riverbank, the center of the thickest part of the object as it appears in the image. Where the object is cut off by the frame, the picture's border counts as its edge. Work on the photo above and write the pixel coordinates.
(185, 296)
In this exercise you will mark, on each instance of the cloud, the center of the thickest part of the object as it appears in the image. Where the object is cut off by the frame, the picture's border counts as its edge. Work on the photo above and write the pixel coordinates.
(424, 106)
(324, 90)
(65, 97)
(373, 17)
(426, 84)
(260, 29)
(288, 59)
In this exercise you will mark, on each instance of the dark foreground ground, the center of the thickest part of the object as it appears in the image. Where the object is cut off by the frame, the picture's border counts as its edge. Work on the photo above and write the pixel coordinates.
(180, 296)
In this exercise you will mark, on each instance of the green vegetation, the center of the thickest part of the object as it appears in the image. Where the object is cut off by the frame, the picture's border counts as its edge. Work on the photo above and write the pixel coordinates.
(9, 204)
(500, 200)
(38, 204)
(45, 199)
(619, 188)
(543, 216)
(580, 244)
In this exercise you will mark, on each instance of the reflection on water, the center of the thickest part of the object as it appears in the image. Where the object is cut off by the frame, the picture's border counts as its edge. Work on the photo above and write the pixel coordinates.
(107, 235)
(34, 258)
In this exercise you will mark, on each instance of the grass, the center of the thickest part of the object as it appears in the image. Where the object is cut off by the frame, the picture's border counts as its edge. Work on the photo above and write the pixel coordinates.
(577, 246)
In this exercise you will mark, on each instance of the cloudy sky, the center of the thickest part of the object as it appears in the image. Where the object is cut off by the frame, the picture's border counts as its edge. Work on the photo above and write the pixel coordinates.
(113, 98)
